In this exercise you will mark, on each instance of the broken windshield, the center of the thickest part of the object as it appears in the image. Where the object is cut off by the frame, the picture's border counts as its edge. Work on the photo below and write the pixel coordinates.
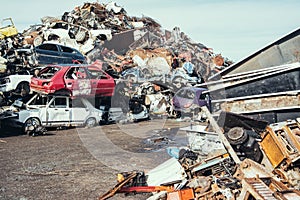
(48, 72)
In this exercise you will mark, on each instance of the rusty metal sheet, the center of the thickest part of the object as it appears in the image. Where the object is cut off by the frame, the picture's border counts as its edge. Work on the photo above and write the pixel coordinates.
(261, 103)
(280, 143)
(281, 51)
(272, 150)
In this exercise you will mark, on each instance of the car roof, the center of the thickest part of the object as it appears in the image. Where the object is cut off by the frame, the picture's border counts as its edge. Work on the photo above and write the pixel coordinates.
(194, 88)
(73, 65)
(49, 42)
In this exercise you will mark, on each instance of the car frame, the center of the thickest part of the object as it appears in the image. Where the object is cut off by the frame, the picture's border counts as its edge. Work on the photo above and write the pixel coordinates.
(191, 99)
(56, 111)
(73, 80)
(49, 53)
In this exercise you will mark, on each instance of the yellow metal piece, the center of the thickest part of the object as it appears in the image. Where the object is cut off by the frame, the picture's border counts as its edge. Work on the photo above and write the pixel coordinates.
(281, 144)
(8, 30)
(120, 178)
(271, 148)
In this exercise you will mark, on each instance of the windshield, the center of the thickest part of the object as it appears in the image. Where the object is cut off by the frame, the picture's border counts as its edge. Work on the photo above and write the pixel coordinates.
(48, 72)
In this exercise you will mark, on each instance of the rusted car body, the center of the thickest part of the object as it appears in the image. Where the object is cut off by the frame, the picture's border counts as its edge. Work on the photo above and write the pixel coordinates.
(73, 80)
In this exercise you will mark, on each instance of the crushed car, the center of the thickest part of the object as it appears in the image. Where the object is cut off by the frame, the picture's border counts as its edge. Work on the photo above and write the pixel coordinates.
(189, 100)
(48, 53)
(73, 80)
(72, 35)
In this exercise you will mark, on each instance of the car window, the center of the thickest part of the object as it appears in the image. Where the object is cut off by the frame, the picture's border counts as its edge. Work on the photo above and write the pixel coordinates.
(71, 74)
(76, 103)
(188, 94)
(96, 74)
(49, 47)
(23, 72)
(181, 93)
(67, 49)
(48, 72)
(59, 103)
(76, 73)
(204, 97)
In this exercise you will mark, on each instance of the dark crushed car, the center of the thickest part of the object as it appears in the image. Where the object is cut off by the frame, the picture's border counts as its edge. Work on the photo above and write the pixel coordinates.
(190, 99)
(46, 53)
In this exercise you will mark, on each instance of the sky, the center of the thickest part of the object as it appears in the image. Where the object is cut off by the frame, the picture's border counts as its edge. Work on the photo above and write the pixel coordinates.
(234, 28)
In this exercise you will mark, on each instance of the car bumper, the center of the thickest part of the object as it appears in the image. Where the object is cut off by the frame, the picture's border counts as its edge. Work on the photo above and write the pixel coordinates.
(5, 88)
(41, 90)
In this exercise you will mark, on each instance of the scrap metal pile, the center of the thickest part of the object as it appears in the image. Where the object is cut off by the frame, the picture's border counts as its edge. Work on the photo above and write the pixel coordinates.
(236, 157)
(135, 50)
(149, 70)
(96, 29)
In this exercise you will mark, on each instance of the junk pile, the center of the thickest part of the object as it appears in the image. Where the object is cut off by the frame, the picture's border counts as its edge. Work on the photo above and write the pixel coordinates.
(106, 32)
(236, 157)
(136, 50)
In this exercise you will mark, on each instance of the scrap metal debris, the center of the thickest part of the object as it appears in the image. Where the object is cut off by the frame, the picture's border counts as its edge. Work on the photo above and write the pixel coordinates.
(235, 158)
(233, 173)
(131, 49)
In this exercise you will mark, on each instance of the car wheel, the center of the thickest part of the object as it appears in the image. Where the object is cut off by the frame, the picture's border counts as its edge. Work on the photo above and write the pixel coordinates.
(31, 125)
(150, 90)
(178, 82)
(146, 73)
(90, 122)
(175, 113)
(80, 36)
(236, 136)
(38, 40)
(23, 88)
(130, 78)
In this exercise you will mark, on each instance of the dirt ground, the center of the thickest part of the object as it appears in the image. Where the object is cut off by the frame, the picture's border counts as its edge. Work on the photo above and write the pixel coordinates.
(82, 163)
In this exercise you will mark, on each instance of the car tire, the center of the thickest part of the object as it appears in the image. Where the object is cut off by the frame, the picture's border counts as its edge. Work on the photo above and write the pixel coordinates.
(176, 114)
(90, 122)
(178, 82)
(236, 136)
(30, 125)
(38, 40)
(23, 86)
(80, 36)
(146, 73)
(130, 78)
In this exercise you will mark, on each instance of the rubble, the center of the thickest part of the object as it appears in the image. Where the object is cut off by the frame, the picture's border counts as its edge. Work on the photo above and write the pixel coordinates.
(230, 172)
(236, 157)
(129, 48)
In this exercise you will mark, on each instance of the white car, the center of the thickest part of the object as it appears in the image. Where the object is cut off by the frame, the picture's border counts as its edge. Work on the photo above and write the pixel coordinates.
(16, 82)
(72, 35)
(58, 111)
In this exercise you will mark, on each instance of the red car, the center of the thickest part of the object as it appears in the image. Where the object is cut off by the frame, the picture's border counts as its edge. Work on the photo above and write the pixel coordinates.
(73, 80)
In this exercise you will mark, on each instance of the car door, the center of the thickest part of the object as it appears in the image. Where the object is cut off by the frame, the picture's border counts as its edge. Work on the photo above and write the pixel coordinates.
(77, 81)
(204, 100)
(48, 54)
(79, 112)
(184, 98)
(58, 111)
(101, 83)
(69, 55)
